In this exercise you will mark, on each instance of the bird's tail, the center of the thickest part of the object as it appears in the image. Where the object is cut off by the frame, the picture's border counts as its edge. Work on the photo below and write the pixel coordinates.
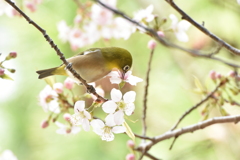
(46, 72)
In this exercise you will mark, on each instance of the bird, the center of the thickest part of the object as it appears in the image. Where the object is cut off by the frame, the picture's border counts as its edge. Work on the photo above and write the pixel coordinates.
(94, 64)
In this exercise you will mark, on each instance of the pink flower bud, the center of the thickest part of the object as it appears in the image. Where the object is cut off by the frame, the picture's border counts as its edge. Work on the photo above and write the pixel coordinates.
(67, 117)
(2, 71)
(161, 33)
(31, 6)
(44, 124)
(130, 144)
(231, 74)
(152, 44)
(13, 54)
(68, 83)
(130, 156)
(212, 75)
(58, 87)
(68, 130)
(218, 76)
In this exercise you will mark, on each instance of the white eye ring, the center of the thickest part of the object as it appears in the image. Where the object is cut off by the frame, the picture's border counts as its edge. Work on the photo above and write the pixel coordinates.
(126, 68)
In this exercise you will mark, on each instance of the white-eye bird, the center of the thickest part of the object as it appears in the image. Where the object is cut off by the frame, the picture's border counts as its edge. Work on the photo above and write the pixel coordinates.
(94, 63)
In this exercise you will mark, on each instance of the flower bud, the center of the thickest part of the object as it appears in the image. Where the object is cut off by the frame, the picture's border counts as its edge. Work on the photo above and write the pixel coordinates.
(44, 124)
(231, 74)
(67, 117)
(218, 75)
(212, 74)
(2, 71)
(12, 70)
(68, 83)
(58, 87)
(68, 130)
(130, 144)
(160, 33)
(152, 44)
(13, 54)
(130, 156)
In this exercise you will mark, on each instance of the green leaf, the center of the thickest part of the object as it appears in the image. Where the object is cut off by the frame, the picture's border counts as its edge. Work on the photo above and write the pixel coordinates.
(5, 76)
(129, 131)
(198, 84)
(50, 80)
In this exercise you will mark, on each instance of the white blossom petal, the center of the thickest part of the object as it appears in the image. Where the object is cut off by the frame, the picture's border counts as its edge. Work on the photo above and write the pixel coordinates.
(110, 120)
(79, 106)
(129, 97)
(115, 80)
(85, 124)
(133, 80)
(119, 117)
(118, 129)
(87, 114)
(98, 126)
(129, 109)
(109, 107)
(116, 95)
(182, 36)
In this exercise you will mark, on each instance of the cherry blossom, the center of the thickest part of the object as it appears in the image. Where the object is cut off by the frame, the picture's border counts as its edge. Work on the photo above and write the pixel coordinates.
(117, 77)
(48, 100)
(179, 28)
(106, 130)
(81, 116)
(64, 129)
(144, 15)
(68, 83)
(120, 106)
(58, 87)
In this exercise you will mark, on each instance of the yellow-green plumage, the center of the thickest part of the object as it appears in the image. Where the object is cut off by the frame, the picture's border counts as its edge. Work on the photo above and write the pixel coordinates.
(94, 63)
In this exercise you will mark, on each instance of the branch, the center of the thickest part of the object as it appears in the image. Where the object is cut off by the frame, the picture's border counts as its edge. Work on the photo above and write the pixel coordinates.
(198, 104)
(203, 29)
(163, 41)
(89, 88)
(191, 128)
(146, 94)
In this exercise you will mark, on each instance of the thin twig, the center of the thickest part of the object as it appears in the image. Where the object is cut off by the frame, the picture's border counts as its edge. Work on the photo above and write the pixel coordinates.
(89, 88)
(189, 129)
(166, 43)
(203, 29)
(198, 104)
(143, 137)
(146, 94)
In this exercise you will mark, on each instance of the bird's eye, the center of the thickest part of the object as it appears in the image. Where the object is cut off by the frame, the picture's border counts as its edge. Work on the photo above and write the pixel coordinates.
(126, 68)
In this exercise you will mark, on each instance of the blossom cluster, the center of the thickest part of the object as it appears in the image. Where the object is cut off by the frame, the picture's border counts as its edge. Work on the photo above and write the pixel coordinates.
(225, 94)
(6, 9)
(3, 69)
(58, 98)
(94, 22)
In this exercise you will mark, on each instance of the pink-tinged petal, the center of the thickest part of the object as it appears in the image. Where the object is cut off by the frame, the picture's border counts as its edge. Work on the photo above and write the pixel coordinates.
(68, 83)
(58, 87)
(129, 109)
(110, 120)
(118, 129)
(109, 107)
(115, 80)
(133, 80)
(127, 75)
(98, 126)
(116, 95)
(75, 130)
(129, 97)
(79, 106)
(85, 124)
(119, 117)
(87, 114)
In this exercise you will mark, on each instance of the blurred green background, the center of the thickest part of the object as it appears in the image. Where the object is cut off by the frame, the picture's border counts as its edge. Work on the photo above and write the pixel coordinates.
(170, 92)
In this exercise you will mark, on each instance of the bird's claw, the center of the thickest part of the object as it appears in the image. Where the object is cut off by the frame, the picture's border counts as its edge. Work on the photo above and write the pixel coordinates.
(69, 66)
